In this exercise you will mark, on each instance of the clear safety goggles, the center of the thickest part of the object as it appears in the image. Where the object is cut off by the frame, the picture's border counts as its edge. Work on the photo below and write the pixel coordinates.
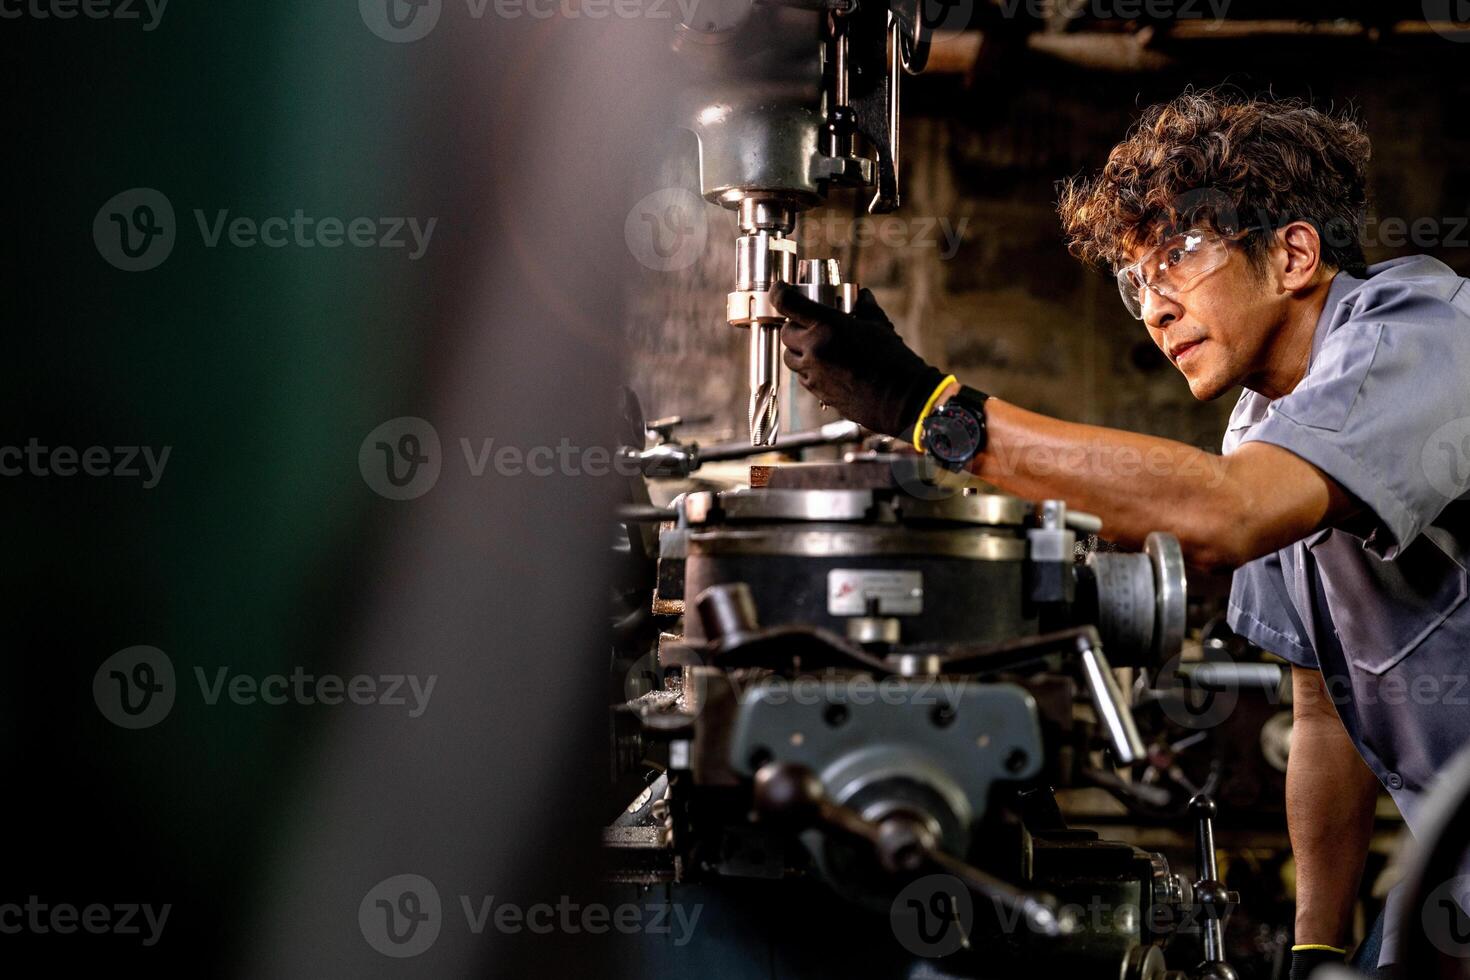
(1173, 267)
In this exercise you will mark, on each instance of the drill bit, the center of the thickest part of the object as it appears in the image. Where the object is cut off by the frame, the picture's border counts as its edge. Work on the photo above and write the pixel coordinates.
(765, 383)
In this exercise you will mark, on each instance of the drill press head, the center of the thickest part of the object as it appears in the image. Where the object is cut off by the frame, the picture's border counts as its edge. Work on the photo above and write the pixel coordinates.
(806, 101)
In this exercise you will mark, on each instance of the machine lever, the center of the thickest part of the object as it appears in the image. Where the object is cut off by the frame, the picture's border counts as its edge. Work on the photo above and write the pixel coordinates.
(1107, 700)
(1210, 894)
(1112, 709)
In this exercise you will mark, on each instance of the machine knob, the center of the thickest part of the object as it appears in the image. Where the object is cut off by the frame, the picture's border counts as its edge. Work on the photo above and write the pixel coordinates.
(789, 793)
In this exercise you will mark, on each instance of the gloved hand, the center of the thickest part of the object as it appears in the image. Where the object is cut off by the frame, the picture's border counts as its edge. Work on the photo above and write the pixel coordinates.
(856, 363)
(1304, 961)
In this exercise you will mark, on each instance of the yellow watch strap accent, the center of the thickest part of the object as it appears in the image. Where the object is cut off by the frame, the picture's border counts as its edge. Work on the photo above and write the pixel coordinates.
(1326, 949)
(929, 407)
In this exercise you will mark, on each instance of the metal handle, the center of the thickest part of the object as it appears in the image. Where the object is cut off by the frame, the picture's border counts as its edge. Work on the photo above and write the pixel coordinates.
(1209, 892)
(1107, 699)
(1086, 523)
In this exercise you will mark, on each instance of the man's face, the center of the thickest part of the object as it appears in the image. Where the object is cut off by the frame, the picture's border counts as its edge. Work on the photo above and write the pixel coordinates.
(1215, 330)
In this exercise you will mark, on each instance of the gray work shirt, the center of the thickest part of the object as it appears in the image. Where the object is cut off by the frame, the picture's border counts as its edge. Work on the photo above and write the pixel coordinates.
(1378, 604)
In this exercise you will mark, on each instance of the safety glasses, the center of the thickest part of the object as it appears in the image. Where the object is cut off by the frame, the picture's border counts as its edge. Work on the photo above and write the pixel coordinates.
(1172, 267)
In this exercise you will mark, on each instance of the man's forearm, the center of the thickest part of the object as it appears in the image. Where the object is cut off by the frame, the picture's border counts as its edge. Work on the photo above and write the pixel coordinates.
(1225, 510)
(1330, 797)
(1136, 483)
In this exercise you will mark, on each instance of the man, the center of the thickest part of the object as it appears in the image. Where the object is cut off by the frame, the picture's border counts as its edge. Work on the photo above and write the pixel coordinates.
(1340, 498)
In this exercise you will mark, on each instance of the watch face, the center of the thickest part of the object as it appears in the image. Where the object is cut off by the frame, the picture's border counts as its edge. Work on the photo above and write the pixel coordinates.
(952, 434)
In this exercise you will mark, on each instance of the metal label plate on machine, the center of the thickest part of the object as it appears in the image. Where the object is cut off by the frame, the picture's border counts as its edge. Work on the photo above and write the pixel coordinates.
(899, 593)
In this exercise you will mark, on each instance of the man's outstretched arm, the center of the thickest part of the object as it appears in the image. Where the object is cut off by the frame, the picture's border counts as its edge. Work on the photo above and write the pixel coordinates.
(1225, 510)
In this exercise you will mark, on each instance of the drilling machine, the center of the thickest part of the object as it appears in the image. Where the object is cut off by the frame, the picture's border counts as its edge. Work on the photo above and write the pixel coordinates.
(859, 687)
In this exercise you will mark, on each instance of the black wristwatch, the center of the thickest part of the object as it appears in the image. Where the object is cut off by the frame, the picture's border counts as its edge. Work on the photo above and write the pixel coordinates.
(954, 433)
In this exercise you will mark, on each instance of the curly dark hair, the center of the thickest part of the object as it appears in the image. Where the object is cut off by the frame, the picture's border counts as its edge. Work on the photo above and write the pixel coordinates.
(1229, 162)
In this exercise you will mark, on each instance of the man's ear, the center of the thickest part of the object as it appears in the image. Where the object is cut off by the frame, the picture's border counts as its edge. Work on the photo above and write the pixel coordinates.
(1300, 258)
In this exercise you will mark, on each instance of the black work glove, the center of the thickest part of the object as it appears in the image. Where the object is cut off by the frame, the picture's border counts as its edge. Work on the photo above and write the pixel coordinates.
(855, 362)
(1305, 961)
